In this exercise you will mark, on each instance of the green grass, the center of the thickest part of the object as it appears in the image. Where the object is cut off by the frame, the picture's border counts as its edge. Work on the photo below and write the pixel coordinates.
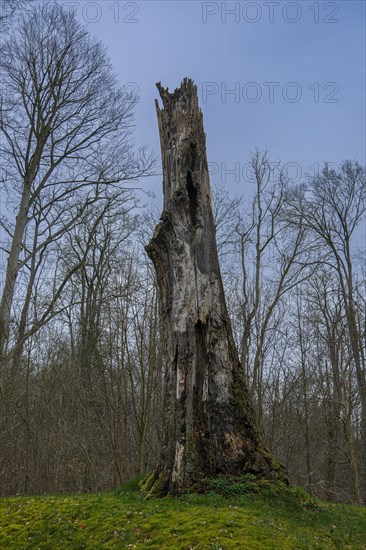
(241, 518)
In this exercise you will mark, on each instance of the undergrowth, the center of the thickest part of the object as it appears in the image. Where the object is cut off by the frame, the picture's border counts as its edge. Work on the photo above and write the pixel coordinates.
(235, 513)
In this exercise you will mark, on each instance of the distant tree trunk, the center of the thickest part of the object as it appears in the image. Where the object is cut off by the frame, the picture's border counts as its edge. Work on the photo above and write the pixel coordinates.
(210, 425)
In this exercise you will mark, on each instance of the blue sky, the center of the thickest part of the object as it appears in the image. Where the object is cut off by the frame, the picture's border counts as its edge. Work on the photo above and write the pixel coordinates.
(312, 52)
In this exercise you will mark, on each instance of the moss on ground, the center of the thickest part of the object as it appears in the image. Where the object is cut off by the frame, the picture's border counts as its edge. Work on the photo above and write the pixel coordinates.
(267, 516)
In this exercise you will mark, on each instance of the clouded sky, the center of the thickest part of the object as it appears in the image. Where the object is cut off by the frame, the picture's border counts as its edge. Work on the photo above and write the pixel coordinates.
(287, 76)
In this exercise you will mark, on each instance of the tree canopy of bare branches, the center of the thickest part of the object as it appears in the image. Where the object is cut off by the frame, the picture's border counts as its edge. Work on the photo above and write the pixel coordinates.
(65, 127)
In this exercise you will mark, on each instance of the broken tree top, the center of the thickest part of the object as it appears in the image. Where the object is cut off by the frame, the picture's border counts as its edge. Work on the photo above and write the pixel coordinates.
(209, 423)
(180, 124)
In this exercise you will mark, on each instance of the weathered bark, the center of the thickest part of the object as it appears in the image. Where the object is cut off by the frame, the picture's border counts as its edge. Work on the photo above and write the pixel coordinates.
(210, 425)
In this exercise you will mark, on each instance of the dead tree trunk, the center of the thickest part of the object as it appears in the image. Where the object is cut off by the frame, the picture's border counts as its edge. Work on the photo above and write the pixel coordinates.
(210, 425)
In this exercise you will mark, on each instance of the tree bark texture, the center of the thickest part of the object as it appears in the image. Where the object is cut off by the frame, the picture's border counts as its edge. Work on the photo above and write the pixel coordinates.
(210, 424)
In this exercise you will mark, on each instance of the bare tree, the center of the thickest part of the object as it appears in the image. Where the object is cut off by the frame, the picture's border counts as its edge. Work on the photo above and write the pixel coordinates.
(333, 208)
(65, 127)
(271, 258)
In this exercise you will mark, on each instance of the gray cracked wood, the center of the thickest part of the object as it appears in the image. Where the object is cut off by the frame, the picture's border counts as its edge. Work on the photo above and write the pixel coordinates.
(210, 425)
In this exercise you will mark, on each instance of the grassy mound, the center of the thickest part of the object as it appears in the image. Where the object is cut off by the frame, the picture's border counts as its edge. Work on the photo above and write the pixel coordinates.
(238, 513)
